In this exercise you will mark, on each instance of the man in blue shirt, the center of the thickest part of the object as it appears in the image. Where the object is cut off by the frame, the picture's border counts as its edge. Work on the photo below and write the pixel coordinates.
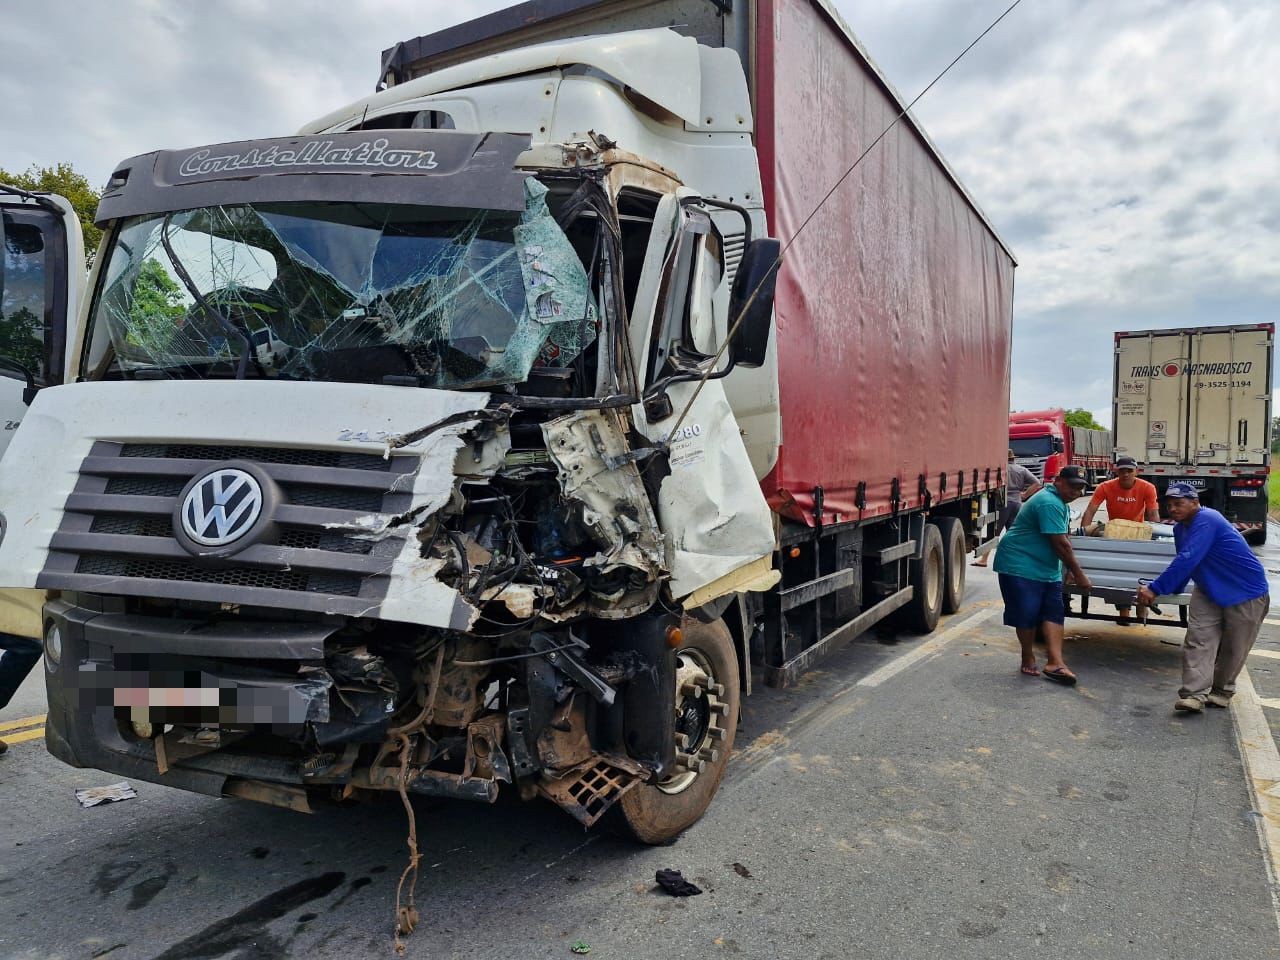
(1029, 563)
(1228, 603)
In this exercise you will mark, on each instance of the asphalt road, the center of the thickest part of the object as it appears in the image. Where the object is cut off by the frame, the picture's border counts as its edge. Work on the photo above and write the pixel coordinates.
(913, 799)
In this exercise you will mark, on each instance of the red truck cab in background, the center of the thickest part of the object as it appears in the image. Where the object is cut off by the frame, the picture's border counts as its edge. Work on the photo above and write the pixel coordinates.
(1044, 443)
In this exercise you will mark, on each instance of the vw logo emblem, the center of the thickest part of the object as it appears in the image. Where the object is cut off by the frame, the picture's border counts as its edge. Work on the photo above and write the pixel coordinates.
(221, 508)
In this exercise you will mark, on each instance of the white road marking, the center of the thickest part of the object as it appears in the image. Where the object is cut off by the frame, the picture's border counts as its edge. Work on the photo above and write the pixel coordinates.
(1274, 623)
(926, 649)
(1262, 769)
(1272, 702)
(1273, 654)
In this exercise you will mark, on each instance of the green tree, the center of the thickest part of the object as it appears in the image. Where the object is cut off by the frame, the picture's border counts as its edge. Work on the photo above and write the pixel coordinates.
(1081, 417)
(156, 308)
(63, 180)
(22, 339)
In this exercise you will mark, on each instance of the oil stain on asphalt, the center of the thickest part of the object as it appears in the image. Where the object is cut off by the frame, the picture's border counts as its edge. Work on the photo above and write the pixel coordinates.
(249, 926)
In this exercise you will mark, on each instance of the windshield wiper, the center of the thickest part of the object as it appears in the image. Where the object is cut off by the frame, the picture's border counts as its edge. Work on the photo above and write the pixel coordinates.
(223, 320)
(178, 371)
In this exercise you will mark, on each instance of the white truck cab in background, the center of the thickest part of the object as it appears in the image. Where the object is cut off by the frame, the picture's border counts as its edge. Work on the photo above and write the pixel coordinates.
(42, 279)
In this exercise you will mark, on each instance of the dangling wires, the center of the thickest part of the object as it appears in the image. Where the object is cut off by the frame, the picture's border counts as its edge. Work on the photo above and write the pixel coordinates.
(407, 914)
(733, 329)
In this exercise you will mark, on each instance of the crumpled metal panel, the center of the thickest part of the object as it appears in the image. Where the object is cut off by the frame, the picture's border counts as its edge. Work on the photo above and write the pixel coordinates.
(714, 522)
(894, 307)
(591, 453)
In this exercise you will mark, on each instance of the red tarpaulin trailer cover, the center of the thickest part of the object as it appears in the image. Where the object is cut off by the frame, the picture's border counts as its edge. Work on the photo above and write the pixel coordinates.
(894, 307)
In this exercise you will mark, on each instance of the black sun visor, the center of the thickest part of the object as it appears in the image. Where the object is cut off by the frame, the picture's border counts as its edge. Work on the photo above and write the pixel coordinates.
(423, 167)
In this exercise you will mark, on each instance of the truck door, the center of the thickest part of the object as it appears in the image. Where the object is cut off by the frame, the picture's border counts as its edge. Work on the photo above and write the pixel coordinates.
(1229, 396)
(718, 526)
(1150, 420)
(41, 277)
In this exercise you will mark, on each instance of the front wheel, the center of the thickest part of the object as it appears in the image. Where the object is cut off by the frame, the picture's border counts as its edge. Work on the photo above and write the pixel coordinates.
(707, 704)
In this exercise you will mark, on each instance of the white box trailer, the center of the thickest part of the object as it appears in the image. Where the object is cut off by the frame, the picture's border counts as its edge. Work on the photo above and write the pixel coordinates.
(1194, 404)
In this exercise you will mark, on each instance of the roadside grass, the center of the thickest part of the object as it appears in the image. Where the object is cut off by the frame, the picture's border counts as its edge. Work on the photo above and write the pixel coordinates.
(1273, 495)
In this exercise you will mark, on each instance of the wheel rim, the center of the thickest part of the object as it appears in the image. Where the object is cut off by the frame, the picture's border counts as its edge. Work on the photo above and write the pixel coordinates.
(700, 715)
(957, 567)
(933, 579)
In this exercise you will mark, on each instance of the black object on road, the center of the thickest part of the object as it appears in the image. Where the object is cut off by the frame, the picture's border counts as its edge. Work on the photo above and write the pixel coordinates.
(673, 883)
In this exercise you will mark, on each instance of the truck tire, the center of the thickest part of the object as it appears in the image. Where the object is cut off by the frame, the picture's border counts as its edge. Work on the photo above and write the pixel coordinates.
(707, 703)
(927, 576)
(954, 562)
(1256, 538)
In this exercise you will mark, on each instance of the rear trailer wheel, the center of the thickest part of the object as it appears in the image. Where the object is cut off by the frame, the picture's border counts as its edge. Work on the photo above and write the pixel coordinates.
(1256, 538)
(954, 562)
(706, 718)
(927, 577)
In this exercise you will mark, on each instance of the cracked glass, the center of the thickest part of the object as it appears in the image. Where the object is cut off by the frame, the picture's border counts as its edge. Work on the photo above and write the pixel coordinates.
(351, 292)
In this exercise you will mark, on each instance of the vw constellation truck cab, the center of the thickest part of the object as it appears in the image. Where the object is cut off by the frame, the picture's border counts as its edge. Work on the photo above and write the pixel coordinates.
(403, 453)
(1194, 405)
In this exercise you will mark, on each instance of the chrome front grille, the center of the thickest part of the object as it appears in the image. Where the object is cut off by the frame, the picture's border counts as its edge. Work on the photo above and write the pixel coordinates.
(117, 534)
(1035, 465)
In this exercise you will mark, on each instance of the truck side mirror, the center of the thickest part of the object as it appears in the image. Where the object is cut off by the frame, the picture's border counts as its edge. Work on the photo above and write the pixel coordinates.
(1058, 445)
(31, 389)
(752, 298)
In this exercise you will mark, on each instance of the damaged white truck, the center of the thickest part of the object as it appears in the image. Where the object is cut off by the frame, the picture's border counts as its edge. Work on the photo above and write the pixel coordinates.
(413, 452)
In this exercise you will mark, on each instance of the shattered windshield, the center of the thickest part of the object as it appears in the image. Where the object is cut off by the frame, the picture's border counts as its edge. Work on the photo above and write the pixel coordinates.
(352, 292)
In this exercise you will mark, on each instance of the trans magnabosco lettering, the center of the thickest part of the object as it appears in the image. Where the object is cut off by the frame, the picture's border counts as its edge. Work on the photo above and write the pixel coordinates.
(1192, 369)
(317, 153)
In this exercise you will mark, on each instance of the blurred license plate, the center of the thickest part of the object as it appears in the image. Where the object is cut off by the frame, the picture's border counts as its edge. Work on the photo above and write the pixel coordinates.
(1244, 493)
(154, 697)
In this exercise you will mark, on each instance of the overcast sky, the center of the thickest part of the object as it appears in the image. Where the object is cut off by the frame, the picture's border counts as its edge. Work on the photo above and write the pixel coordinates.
(1126, 149)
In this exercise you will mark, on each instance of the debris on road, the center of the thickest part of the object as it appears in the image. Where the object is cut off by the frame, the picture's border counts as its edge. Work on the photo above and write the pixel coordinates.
(677, 886)
(580, 947)
(92, 796)
(742, 871)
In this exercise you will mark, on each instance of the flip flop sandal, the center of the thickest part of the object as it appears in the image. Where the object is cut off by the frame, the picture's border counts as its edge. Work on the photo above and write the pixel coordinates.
(1030, 671)
(1060, 676)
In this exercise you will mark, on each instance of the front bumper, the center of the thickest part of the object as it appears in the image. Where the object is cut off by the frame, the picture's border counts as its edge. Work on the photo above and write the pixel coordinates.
(85, 729)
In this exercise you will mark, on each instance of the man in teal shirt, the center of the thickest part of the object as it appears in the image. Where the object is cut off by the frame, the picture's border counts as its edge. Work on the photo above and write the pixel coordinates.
(1029, 563)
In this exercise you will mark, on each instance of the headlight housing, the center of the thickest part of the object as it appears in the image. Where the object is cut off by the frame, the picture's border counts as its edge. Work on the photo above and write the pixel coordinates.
(52, 647)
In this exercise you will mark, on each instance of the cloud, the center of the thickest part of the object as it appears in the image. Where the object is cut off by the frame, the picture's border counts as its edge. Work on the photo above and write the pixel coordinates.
(137, 75)
(1126, 153)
